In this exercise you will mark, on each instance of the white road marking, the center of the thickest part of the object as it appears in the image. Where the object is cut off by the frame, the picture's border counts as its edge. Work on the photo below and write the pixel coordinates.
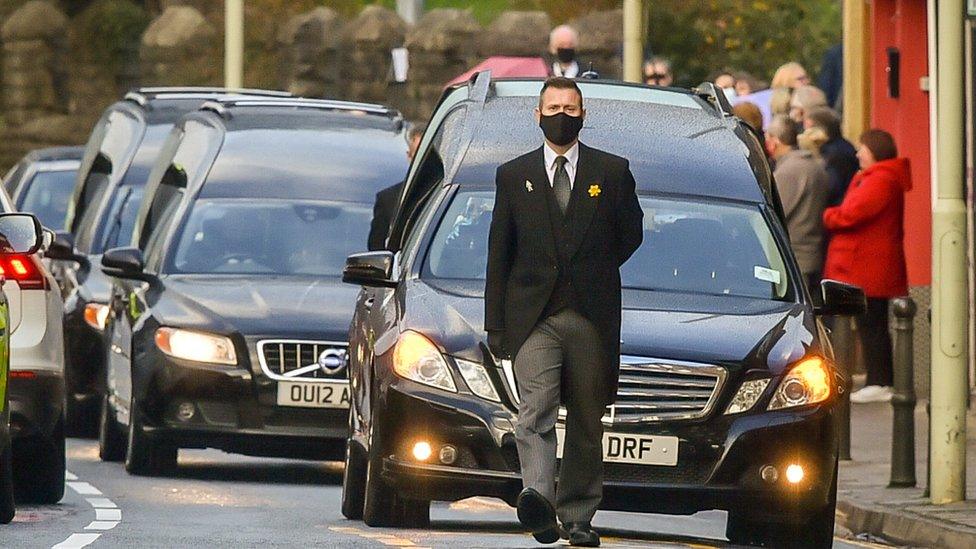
(84, 489)
(76, 541)
(101, 503)
(102, 525)
(107, 514)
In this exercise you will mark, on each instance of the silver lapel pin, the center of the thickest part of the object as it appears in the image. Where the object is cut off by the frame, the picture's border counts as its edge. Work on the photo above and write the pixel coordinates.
(528, 185)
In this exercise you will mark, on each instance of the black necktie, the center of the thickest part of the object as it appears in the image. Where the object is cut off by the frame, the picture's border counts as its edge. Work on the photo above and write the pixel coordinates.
(560, 184)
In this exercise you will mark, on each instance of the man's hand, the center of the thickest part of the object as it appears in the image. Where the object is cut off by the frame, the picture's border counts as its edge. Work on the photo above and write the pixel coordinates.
(496, 344)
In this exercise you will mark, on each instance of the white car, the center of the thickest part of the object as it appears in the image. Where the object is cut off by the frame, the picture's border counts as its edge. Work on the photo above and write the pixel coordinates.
(36, 375)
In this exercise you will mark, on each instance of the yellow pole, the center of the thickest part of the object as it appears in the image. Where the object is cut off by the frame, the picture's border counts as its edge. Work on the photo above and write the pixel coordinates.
(950, 297)
(234, 43)
(633, 40)
(857, 68)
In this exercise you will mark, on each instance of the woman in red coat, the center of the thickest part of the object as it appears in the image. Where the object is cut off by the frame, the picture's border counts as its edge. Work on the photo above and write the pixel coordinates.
(866, 249)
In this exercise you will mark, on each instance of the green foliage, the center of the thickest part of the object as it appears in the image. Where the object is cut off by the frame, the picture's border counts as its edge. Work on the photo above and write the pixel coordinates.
(110, 30)
(757, 36)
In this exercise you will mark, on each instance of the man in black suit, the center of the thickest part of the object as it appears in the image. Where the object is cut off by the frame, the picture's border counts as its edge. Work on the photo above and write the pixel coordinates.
(566, 217)
(387, 200)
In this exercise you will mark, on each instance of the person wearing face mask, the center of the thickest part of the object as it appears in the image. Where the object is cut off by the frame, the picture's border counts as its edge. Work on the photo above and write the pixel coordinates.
(562, 60)
(566, 217)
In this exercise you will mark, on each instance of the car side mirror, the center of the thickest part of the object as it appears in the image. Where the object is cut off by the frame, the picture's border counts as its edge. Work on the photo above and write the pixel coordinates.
(62, 248)
(840, 299)
(374, 269)
(20, 233)
(47, 239)
(125, 263)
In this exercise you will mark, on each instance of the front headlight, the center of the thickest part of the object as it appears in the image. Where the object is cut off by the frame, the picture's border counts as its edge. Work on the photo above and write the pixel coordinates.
(417, 359)
(808, 382)
(196, 346)
(476, 377)
(747, 396)
(96, 314)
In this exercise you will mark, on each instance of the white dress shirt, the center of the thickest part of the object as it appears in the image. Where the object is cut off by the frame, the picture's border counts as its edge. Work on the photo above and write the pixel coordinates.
(572, 71)
(572, 158)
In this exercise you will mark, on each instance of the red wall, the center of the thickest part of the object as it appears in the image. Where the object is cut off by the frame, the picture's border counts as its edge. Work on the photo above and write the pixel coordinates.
(902, 24)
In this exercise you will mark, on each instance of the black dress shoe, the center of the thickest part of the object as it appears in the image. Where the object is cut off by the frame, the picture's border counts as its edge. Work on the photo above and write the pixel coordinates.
(537, 514)
(580, 534)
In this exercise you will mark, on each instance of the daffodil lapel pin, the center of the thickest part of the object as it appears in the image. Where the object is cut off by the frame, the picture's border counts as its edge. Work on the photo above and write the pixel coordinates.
(594, 191)
(528, 185)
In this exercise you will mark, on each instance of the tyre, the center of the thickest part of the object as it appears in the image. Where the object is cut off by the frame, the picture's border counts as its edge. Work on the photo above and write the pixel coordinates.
(39, 468)
(7, 508)
(81, 417)
(354, 482)
(111, 440)
(381, 504)
(144, 455)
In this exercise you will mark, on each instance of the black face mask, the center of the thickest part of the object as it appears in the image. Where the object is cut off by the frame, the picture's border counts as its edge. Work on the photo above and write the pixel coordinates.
(565, 55)
(560, 128)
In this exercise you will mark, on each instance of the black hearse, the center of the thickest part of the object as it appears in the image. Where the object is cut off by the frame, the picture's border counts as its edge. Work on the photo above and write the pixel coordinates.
(101, 213)
(228, 318)
(727, 384)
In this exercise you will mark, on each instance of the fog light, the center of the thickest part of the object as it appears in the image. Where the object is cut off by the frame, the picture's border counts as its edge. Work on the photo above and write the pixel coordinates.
(185, 411)
(794, 474)
(769, 474)
(448, 454)
(422, 451)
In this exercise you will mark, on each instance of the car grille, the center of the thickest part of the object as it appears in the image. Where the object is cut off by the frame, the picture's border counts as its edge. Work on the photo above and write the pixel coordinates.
(683, 473)
(651, 390)
(303, 360)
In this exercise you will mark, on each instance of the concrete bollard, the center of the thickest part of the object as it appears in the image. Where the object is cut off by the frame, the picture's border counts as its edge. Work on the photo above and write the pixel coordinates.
(842, 338)
(903, 400)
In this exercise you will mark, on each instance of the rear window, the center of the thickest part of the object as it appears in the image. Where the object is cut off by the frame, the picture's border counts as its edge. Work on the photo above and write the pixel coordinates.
(47, 196)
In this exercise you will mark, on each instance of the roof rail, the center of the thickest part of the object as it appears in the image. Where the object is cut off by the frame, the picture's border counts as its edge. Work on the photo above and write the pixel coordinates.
(222, 106)
(711, 93)
(142, 96)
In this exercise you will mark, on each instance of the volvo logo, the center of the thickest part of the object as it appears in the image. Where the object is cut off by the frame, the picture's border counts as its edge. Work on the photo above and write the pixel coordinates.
(332, 361)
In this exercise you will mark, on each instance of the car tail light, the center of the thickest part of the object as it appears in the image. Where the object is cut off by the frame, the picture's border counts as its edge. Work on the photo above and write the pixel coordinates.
(25, 270)
(22, 374)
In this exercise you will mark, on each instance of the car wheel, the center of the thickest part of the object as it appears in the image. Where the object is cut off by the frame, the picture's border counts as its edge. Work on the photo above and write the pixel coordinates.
(81, 417)
(145, 456)
(111, 440)
(7, 508)
(39, 468)
(354, 482)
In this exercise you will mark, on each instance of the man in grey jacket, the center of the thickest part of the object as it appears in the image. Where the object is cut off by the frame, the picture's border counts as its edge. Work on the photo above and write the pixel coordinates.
(803, 187)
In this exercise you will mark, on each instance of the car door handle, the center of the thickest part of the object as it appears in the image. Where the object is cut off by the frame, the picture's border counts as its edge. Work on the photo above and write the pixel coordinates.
(369, 302)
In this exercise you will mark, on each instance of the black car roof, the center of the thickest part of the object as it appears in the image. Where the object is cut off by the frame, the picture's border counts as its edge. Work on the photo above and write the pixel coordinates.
(274, 149)
(677, 142)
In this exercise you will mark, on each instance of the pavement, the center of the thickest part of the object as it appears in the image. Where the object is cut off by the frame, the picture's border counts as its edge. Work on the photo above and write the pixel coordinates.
(902, 516)
(215, 499)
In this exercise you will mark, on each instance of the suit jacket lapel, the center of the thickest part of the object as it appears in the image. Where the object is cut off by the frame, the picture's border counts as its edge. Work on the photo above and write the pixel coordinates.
(581, 204)
(538, 197)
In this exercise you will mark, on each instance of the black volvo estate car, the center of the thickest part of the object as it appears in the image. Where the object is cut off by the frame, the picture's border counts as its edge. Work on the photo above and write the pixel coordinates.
(229, 319)
(101, 212)
(727, 385)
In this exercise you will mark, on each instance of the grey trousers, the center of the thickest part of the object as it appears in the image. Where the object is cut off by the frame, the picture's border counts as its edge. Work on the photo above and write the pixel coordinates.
(557, 363)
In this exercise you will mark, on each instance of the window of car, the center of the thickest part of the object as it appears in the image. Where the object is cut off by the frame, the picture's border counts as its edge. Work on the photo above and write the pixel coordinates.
(121, 132)
(689, 246)
(122, 217)
(269, 237)
(47, 195)
(14, 176)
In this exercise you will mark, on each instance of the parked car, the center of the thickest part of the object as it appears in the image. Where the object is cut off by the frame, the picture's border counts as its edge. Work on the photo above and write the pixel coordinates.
(727, 383)
(228, 318)
(36, 387)
(20, 238)
(107, 194)
(42, 183)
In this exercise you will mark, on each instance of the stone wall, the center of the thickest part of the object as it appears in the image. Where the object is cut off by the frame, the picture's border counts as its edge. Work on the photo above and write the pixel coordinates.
(64, 61)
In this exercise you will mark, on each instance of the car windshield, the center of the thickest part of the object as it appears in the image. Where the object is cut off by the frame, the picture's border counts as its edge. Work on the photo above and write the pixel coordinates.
(273, 237)
(47, 197)
(689, 246)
